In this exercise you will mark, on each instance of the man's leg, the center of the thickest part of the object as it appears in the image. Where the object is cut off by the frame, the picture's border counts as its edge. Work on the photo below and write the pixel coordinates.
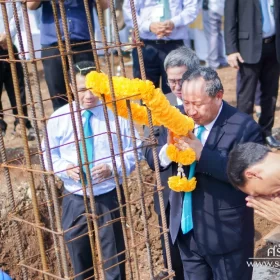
(79, 249)
(195, 266)
(212, 29)
(84, 56)
(233, 265)
(54, 77)
(176, 262)
(246, 86)
(22, 91)
(3, 124)
(269, 79)
(151, 64)
(111, 235)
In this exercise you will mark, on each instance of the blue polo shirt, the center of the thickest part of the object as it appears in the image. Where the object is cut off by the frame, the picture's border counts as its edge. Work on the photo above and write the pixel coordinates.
(76, 21)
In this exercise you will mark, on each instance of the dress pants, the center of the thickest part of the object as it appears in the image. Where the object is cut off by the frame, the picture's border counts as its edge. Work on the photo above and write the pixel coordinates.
(267, 72)
(54, 73)
(7, 80)
(212, 26)
(230, 266)
(176, 262)
(154, 54)
(110, 234)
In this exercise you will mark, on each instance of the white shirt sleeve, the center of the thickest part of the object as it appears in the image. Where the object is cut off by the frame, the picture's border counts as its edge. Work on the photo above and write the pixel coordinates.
(164, 161)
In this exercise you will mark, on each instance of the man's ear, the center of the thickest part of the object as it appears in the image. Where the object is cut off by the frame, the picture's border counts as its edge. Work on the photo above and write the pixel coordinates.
(252, 173)
(220, 94)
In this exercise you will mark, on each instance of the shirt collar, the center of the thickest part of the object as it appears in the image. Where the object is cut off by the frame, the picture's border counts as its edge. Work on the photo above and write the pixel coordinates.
(209, 126)
(96, 111)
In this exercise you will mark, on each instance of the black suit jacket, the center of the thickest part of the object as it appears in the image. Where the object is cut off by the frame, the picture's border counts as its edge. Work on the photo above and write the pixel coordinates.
(160, 133)
(243, 29)
(222, 222)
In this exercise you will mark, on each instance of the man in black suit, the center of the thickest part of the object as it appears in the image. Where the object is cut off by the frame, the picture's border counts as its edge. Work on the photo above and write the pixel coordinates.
(222, 237)
(176, 63)
(252, 37)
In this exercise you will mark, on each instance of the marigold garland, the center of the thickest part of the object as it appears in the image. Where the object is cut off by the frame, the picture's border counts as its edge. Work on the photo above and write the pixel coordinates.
(162, 114)
(178, 184)
(185, 157)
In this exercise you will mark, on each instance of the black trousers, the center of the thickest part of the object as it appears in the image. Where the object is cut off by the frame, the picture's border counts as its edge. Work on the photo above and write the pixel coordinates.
(54, 73)
(267, 72)
(7, 80)
(230, 266)
(176, 262)
(110, 234)
(154, 56)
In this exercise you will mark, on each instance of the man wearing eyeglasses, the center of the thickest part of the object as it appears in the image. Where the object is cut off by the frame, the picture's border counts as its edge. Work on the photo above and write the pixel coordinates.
(176, 63)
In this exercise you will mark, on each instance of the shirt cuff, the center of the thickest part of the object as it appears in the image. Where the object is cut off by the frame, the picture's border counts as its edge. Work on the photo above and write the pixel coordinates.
(145, 27)
(164, 161)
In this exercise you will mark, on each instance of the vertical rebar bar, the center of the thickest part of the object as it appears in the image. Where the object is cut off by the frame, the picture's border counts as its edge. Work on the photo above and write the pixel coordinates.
(33, 113)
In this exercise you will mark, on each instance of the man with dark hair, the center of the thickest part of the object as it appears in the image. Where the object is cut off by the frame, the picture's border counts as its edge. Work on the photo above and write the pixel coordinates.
(220, 235)
(255, 170)
(65, 165)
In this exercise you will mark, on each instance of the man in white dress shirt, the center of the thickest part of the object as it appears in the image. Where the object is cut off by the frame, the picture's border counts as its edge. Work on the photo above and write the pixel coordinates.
(163, 28)
(65, 164)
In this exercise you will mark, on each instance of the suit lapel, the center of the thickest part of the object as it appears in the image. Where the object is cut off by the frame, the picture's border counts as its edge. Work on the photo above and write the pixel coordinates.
(217, 130)
(258, 6)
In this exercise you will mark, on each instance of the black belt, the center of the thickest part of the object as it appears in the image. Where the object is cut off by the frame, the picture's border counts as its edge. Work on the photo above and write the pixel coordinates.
(269, 40)
(162, 42)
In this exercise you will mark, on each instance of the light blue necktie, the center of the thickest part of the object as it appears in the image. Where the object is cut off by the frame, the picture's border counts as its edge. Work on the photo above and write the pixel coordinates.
(186, 219)
(89, 142)
(265, 16)
(166, 10)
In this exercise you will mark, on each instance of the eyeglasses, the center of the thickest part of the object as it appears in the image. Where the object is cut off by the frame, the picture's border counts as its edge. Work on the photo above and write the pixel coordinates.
(173, 83)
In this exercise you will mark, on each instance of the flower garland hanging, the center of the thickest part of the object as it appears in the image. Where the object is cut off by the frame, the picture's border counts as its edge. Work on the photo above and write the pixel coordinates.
(162, 114)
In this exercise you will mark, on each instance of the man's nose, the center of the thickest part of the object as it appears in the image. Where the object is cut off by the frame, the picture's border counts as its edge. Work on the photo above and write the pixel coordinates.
(192, 111)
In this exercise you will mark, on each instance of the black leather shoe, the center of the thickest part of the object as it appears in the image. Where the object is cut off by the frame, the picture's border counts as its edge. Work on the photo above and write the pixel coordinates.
(272, 142)
(3, 126)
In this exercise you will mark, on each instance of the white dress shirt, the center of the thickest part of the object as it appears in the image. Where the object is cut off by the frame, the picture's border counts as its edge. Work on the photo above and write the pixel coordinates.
(60, 132)
(164, 159)
(12, 24)
(217, 6)
(182, 13)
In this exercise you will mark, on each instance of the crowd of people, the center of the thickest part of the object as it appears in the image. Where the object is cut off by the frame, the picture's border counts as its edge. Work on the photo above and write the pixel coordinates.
(232, 160)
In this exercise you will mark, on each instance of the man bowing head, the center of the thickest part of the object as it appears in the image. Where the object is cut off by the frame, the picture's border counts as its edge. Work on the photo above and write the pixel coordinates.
(218, 237)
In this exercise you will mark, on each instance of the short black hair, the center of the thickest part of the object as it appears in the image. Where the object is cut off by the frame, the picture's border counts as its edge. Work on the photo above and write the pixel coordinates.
(210, 76)
(240, 158)
(84, 67)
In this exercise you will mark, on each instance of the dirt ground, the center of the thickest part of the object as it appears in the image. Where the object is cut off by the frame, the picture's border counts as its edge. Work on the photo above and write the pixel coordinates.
(19, 178)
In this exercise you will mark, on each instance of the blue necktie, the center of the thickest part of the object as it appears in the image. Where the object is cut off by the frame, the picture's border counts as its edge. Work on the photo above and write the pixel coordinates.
(265, 16)
(89, 142)
(166, 10)
(186, 219)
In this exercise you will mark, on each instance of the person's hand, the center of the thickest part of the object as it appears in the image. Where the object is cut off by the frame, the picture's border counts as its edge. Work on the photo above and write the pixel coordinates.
(267, 207)
(234, 59)
(183, 143)
(74, 172)
(101, 171)
(158, 28)
(169, 26)
(170, 139)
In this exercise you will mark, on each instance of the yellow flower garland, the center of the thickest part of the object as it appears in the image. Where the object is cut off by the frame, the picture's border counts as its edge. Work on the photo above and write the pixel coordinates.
(162, 114)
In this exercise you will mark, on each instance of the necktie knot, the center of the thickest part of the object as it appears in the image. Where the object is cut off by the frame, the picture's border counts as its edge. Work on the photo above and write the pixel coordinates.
(200, 130)
(87, 114)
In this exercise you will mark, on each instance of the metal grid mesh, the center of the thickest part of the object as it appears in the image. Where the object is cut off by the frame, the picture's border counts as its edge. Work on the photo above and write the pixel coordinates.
(52, 252)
